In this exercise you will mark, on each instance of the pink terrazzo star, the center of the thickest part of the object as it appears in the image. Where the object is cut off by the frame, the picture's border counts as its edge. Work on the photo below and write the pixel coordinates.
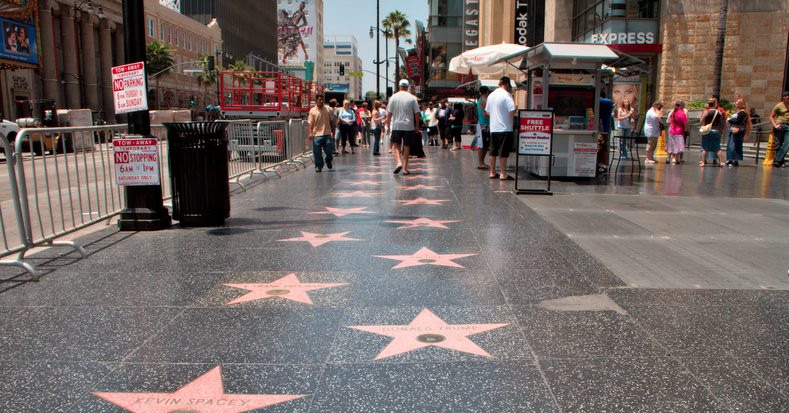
(341, 212)
(412, 177)
(426, 257)
(420, 186)
(366, 182)
(288, 287)
(420, 170)
(357, 194)
(423, 201)
(205, 394)
(428, 330)
(370, 173)
(421, 223)
(317, 240)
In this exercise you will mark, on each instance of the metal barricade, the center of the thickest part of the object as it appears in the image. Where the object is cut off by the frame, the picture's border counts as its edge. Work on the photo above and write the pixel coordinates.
(271, 137)
(160, 132)
(242, 147)
(297, 150)
(15, 239)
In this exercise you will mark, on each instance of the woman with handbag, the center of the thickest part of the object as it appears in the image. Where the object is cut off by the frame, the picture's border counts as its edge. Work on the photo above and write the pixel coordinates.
(710, 137)
(677, 120)
(623, 121)
(739, 127)
(652, 129)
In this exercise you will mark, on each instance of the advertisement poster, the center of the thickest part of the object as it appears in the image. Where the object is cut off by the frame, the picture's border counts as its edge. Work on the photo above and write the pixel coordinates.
(535, 131)
(296, 36)
(136, 161)
(585, 159)
(129, 90)
(20, 42)
(627, 88)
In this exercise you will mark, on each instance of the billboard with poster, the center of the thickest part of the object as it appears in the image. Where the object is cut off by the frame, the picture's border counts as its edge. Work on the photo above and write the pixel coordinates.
(627, 88)
(20, 40)
(296, 33)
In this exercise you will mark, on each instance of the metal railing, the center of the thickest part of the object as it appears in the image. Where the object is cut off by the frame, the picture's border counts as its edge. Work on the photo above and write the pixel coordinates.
(61, 180)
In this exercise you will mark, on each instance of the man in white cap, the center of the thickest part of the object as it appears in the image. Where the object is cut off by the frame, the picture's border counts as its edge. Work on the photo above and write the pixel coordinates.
(500, 108)
(404, 120)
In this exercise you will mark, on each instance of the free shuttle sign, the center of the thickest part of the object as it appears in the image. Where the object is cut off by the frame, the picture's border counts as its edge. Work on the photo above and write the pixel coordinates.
(129, 89)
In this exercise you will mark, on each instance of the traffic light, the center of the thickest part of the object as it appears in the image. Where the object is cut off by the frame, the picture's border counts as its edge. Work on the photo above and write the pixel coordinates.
(191, 100)
(210, 62)
(342, 69)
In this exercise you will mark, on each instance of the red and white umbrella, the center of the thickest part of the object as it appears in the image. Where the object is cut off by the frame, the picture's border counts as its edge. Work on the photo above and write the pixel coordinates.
(478, 61)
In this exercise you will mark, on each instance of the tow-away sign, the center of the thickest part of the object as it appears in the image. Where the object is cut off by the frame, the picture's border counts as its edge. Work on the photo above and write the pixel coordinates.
(129, 89)
(136, 160)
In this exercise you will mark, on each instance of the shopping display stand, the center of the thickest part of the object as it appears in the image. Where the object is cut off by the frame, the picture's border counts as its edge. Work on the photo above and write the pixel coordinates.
(535, 139)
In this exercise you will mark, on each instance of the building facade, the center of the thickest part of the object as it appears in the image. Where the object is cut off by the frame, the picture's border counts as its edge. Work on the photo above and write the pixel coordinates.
(248, 26)
(342, 50)
(300, 38)
(189, 40)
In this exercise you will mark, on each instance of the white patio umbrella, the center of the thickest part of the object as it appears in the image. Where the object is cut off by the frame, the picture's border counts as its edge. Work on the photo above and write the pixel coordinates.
(478, 61)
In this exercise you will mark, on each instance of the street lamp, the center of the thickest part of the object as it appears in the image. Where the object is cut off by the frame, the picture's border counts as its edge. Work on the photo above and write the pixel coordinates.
(88, 8)
(378, 61)
(81, 86)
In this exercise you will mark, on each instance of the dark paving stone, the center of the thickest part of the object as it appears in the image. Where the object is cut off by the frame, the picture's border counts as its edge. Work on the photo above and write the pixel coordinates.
(684, 333)
(219, 294)
(755, 331)
(237, 379)
(735, 385)
(626, 385)
(774, 371)
(435, 289)
(353, 346)
(531, 286)
(628, 298)
(779, 300)
(47, 386)
(81, 333)
(584, 334)
(245, 335)
(447, 387)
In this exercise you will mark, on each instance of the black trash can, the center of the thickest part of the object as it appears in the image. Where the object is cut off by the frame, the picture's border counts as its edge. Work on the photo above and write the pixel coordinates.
(197, 153)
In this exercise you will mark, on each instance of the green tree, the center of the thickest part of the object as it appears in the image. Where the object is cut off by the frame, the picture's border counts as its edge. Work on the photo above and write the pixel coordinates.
(397, 26)
(158, 62)
(207, 77)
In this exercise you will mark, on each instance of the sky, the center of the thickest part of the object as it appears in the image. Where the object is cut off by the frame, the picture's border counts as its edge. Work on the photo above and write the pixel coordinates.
(343, 17)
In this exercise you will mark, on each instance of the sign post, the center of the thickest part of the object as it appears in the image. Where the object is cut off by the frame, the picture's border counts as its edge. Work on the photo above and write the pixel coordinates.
(535, 138)
(129, 88)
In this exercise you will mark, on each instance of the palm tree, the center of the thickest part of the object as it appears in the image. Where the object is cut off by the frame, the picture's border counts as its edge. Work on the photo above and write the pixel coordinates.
(719, 46)
(158, 61)
(396, 25)
(207, 77)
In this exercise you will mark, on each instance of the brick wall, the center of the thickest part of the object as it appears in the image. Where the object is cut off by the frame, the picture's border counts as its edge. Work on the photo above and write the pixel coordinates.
(753, 61)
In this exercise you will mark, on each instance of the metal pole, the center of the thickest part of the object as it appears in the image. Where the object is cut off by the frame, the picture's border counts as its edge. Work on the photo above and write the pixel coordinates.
(378, 48)
(144, 209)
(387, 63)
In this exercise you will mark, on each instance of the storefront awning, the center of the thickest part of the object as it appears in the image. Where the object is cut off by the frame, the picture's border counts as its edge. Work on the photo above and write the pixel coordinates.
(563, 53)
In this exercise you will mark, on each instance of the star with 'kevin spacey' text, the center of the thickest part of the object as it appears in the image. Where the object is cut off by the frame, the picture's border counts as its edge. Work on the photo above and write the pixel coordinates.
(420, 186)
(205, 394)
(424, 201)
(288, 287)
(422, 223)
(428, 330)
(357, 194)
(341, 212)
(317, 240)
(426, 257)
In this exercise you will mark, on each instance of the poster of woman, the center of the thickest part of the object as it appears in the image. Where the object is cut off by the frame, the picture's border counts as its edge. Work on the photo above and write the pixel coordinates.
(295, 34)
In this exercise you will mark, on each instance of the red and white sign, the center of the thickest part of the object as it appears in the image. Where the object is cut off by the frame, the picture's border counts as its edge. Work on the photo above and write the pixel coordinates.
(136, 161)
(585, 159)
(535, 132)
(129, 89)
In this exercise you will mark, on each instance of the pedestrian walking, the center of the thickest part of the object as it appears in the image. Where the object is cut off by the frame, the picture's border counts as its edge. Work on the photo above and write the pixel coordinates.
(443, 115)
(347, 126)
(432, 124)
(456, 125)
(363, 121)
(500, 109)
(739, 127)
(677, 121)
(320, 130)
(711, 141)
(624, 120)
(483, 124)
(335, 110)
(603, 139)
(653, 125)
(780, 120)
(404, 120)
(376, 126)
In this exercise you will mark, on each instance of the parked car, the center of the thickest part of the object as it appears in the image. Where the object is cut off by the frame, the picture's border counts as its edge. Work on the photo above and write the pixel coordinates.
(9, 129)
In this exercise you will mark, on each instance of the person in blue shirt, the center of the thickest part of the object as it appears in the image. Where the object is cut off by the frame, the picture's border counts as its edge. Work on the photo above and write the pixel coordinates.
(605, 115)
(483, 122)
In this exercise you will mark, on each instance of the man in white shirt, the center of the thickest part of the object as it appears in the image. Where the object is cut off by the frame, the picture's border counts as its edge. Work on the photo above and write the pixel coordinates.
(403, 117)
(500, 109)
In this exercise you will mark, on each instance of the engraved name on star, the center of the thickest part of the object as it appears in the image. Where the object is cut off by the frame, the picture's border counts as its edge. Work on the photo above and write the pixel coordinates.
(424, 201)
(341, 212)
(420, 186)
(288, 287)
(317, 240)
(205, 394)
(426, 257)
(357, 194)
(428, 330)
(366, 182)
(371, 173)
(423, 223)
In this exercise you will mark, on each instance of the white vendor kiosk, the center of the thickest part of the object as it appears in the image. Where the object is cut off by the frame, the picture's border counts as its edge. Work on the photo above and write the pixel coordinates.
(566, 78)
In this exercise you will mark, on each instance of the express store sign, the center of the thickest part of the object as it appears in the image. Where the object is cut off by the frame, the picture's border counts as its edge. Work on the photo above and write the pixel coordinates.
(624, 38)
